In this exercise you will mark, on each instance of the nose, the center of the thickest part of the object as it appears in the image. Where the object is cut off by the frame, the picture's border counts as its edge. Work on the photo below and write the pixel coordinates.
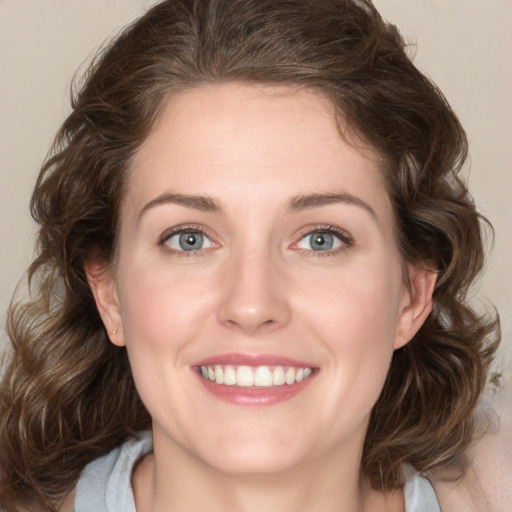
(253, 294)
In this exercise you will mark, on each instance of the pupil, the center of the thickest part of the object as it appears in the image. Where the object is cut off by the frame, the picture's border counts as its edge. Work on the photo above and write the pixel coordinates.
(320, 240)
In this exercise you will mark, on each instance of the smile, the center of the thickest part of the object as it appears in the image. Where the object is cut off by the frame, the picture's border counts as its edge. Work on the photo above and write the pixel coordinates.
(255, 376)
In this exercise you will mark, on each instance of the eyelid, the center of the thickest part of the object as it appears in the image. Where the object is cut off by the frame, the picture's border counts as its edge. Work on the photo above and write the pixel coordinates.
(347, 240)
(185, 228)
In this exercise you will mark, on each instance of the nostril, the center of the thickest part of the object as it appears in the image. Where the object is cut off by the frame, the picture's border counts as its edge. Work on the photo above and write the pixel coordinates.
(250, 325)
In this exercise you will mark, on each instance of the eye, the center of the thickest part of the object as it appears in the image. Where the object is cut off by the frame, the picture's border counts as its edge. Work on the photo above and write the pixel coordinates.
(188, 240)
(322, 240)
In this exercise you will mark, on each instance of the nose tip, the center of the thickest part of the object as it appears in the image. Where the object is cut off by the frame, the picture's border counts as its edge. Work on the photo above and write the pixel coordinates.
(253, 300)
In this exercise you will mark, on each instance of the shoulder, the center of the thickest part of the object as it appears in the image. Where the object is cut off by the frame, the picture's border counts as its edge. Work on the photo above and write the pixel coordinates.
(105, 483)
(68, 504)
(419, 495)
(106, 480)
(487, 485)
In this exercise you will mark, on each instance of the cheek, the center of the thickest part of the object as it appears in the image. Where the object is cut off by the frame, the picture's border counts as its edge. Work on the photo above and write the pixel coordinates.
(161, 309)
(163, 314)
(361, 303)
(355, 316)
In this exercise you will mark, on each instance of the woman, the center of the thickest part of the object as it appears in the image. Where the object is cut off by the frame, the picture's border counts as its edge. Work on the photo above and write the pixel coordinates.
(253, 243)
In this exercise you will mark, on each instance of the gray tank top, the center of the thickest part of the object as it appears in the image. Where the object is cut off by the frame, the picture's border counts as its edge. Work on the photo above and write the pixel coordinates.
(105, 483)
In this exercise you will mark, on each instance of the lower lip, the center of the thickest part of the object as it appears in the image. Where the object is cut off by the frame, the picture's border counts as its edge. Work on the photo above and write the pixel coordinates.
(239, 395)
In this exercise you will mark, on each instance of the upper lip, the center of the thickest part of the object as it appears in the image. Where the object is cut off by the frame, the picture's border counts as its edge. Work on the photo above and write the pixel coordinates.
(239, 359)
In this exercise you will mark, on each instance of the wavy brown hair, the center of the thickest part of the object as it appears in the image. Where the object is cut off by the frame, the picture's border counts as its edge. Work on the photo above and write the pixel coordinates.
(67, 394)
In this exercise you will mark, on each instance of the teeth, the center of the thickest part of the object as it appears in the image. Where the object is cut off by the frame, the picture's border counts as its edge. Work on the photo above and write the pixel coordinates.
(219, 375)
(263, 377)
(290, 376)
(259, 376)
(244, 377)
(278, 376)
(229, 376)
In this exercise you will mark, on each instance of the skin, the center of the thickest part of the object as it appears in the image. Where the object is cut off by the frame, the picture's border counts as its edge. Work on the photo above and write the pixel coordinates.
(258, 287)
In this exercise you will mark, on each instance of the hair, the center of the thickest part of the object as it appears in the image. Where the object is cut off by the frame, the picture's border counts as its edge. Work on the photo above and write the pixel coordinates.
(67, 394)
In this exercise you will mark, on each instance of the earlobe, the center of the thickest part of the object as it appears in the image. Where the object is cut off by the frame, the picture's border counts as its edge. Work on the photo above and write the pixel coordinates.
(417, 304)
(102, 283)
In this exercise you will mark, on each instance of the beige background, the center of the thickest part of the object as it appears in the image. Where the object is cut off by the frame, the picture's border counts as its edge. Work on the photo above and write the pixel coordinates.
(464, 45)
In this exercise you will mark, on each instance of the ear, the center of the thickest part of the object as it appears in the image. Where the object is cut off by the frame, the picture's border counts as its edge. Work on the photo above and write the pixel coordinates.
(416, 304)
(101, 280)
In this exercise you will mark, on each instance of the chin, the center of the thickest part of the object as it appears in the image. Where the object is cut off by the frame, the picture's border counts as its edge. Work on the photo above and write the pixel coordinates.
(253, 457)
(253, 464)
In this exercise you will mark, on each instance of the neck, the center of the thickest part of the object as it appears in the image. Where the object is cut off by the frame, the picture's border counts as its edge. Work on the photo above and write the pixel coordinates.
(176, 481)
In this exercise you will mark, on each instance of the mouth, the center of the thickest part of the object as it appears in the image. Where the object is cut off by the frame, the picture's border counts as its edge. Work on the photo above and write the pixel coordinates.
(255, 376)
(254, 380)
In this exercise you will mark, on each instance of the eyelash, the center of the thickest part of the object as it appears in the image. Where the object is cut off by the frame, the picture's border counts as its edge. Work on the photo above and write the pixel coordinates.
(188, 228)
(346, 239)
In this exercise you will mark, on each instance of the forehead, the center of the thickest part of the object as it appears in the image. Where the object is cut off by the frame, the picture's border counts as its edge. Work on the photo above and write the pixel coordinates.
(252, 142)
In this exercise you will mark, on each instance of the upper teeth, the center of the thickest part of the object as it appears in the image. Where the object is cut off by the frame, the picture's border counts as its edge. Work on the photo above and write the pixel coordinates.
(259, 376)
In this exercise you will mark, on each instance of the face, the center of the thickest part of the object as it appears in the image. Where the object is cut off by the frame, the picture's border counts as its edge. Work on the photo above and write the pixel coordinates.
(258, 288)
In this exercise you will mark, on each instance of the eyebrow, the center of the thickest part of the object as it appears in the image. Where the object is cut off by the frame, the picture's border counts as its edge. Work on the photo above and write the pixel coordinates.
(305, 202)
(295, 204)
(202, 203)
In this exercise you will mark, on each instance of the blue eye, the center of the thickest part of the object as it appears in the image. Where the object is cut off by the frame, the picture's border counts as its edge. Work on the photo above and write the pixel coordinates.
(188, 241)
(320, 241)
